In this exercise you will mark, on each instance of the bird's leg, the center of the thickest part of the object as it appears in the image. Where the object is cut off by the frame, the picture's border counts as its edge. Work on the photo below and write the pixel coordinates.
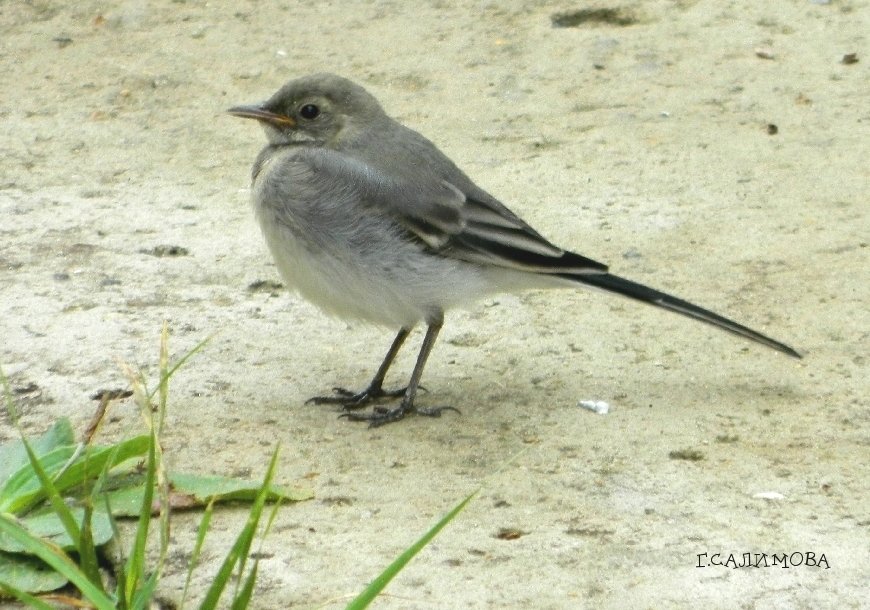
(350, 400)
(381, 416)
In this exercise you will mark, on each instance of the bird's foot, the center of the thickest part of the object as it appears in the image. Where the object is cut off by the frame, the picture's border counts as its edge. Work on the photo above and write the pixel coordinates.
(350, 400)
(380, 416)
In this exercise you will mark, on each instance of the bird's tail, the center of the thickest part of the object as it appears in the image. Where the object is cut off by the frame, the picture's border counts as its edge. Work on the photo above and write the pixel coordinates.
(645, 294)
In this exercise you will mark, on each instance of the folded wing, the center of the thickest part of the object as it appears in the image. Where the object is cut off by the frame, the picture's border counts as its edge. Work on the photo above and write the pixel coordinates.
(475, 228)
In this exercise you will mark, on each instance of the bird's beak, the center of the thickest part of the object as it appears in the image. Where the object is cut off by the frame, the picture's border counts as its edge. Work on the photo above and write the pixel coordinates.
(261, 114)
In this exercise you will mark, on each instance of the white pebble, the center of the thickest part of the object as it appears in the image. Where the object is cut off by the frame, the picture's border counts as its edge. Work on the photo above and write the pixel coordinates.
(596, 406)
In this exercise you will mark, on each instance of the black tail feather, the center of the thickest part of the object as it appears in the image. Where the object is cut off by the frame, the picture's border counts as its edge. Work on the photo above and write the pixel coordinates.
(645, 294)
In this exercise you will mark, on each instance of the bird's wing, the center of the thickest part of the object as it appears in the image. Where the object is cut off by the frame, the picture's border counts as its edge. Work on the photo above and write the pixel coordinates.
(473, 227)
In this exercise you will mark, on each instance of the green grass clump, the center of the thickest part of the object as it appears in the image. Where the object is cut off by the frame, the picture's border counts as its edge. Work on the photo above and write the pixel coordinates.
(59, 501)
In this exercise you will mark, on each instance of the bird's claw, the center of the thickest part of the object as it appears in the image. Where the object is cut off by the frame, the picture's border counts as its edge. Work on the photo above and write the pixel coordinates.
(380, 416)
(351, 400)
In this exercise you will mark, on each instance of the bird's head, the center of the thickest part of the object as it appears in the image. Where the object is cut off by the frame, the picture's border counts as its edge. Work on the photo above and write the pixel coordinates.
(320, 109)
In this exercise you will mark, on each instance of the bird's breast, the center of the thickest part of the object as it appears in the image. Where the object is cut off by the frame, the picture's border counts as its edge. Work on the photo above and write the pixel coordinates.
(331, 249)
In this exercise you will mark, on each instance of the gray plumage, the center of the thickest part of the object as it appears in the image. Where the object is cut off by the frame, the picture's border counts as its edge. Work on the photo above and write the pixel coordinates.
(368, 219)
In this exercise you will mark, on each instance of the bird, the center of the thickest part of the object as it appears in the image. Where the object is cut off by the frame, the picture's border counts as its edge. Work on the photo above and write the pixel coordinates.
(368, 219)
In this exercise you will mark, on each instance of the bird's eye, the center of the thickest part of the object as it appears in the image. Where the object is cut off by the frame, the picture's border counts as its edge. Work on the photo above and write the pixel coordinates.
(309, 111)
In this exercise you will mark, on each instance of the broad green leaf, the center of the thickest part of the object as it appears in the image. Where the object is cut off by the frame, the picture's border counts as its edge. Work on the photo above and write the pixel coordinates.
(89, 465)
(192, 491)
(23, 489)
(28, 574)
(204, 488)
(12, 453)
(58, 560)
(46, 524)
(24, 597)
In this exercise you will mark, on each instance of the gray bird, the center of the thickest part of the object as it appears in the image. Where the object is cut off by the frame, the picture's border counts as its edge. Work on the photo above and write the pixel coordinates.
(367, 219)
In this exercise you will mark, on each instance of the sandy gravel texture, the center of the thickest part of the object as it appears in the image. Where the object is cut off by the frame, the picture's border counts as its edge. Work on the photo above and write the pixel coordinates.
(645, 145)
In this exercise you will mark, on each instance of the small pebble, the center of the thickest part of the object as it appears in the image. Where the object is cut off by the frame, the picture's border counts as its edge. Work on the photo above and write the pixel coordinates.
(596, 406)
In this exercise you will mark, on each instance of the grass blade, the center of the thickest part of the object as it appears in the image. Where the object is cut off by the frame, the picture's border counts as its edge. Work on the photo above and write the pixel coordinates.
(163, 483)
(242, 545)
(120, 566)
(163, 385)
(57, 503)
(170, 371)
(194, 557)
(243, 597)
(143, 596)
(378, 584)
(135, 569)
(87, 550)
